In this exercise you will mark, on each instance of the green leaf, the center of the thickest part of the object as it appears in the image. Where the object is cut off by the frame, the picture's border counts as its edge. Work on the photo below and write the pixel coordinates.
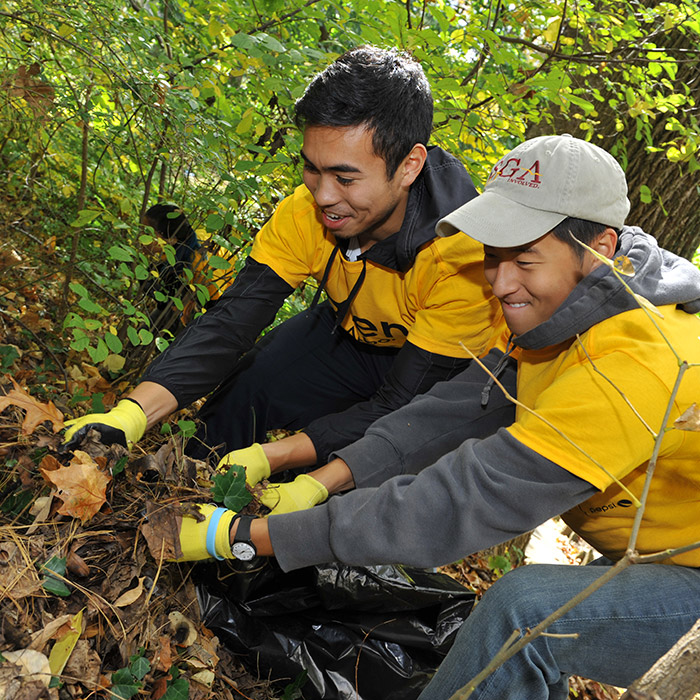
(179, 689)
(8, 355)
(89, 305)
(133, 336)
(78, 289)
(187, 427)
(292, 691)
(214, 222)
(139, 667)
(113, 343)
(118, 253)
(162, 343)
(146, 336)
(96, 402)
(85, 216)
(52, 584)
(218, 263)
(124, 685)
(230, 488)
(271, 43)
(99, 353)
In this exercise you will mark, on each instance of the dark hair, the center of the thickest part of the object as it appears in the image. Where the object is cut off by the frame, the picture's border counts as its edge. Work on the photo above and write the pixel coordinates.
(169, 226)
(385, 90)
(572, 230)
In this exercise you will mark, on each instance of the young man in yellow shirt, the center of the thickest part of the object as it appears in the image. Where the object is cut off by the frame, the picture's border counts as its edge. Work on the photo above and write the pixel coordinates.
(402, 303)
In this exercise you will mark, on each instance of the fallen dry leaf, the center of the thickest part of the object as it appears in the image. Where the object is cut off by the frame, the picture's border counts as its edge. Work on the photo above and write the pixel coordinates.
(37, 412)
(84, 663)
(81, 486)
(76, 564)
(18, 577)
(689, 419)
(48, 631)
(161, 532)
(131, 596)
(164, 656)
(49, 463)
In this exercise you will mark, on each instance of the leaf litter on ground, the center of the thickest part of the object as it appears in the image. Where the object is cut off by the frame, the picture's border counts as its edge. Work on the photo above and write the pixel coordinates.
(95, 546)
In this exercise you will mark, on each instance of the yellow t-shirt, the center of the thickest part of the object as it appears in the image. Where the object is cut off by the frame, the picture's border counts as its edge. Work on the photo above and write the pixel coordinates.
(601, 406)
(441, 301)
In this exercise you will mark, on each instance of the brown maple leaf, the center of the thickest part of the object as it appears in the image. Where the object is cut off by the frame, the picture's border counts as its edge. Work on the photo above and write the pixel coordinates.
(37, 412)
(81, 486)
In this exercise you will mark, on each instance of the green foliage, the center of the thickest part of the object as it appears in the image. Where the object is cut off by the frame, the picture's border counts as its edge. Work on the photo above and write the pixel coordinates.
(126, 682)
(8, 355)
(230, 488)
(106, 108)
(53, 568)
(292, 691)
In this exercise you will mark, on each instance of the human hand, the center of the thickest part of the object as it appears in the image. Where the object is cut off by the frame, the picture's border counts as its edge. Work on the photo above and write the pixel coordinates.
(124, 425)
(302, 493)
(208, 539)
(257, 466)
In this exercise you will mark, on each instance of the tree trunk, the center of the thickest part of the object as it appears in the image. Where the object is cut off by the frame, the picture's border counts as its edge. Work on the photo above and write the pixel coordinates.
(673, 214)
(675, 676)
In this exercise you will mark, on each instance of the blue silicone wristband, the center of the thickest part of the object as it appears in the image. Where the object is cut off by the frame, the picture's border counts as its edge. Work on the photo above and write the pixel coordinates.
(211, 532)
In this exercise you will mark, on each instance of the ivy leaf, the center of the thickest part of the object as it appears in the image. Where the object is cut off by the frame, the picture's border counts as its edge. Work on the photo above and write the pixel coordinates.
(230, 488)
(177, 690)
(139, 667)
(124, 685)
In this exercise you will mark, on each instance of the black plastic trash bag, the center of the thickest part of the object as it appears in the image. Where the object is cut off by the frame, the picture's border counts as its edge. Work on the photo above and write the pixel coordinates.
(375, 633)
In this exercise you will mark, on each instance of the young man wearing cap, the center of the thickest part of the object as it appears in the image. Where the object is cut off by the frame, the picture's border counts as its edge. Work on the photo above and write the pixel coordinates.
(596, 373)
(400, 299)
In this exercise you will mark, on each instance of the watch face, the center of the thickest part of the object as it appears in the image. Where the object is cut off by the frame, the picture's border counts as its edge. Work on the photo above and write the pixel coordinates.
(243, 551)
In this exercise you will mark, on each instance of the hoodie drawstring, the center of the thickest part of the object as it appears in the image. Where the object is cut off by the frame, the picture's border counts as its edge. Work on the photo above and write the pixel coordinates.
(343, 307)
(498, 369)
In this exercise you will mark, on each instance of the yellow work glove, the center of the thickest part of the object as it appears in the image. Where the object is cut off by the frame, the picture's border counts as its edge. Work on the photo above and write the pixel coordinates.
(125, 425)
(302, 493)
(252, 458)
(208, 539)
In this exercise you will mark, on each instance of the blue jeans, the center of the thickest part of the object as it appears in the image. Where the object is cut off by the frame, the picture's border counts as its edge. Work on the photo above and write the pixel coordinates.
(623, 628)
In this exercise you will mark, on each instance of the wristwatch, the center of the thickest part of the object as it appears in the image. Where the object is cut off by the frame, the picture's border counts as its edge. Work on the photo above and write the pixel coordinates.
(242, 547)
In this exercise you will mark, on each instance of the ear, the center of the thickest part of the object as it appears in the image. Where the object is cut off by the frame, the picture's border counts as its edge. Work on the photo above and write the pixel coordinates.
(411, 165)
(605, 244)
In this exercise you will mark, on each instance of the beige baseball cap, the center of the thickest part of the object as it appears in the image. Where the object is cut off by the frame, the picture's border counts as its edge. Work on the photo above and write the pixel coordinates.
(536, 186)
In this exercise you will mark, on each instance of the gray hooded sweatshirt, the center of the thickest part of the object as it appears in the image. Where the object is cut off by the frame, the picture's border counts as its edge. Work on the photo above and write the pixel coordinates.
(434, 482)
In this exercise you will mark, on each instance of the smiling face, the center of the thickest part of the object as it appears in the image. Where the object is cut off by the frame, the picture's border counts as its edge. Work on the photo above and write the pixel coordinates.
(349, 183)
(532, 281)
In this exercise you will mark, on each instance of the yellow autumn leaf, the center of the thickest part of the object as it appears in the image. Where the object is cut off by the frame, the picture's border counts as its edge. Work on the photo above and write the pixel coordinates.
(63, 648)
(624, 265)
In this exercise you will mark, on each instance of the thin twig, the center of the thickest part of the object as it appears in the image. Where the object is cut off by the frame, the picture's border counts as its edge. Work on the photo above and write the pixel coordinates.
(41, 342)
(563, 435)
(510, 650)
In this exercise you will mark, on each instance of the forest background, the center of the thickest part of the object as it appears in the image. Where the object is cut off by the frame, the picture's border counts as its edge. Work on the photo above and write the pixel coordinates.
(109, 107)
